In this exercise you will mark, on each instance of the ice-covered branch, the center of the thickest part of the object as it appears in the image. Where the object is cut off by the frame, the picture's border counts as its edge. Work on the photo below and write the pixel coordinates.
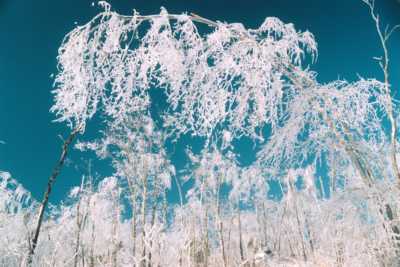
(230, 76)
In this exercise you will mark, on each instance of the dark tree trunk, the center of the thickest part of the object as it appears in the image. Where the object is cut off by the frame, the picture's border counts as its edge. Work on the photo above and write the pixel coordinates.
(52, 178)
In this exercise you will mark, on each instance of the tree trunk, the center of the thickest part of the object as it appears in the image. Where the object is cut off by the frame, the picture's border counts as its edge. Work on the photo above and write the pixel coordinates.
(78, 225)
(221, 226)
(144, 200)
(46, 195)
(240, 236)
(153, 219)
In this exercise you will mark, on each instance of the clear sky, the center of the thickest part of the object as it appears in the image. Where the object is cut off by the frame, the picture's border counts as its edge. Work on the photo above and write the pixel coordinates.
(31, 32)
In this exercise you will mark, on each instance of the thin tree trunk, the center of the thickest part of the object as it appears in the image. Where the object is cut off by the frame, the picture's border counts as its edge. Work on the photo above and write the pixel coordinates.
(221, 225)
(93, 238)
(132, 190)
(309, 234)
(153, 220)
(264, 224)
(79, 225)
(115, 222)
(240, 237)
(384, 64)
(52, 178)
(300, 232)
(144, 200)
(206, 238)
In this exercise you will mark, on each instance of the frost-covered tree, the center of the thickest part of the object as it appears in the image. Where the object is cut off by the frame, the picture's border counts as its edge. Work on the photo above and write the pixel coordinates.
(16, 208)
(233, 78)
(139, 159)
(322, 191)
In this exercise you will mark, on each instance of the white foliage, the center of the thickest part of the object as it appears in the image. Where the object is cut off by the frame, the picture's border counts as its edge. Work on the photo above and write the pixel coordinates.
(229, 83)
(234, 72)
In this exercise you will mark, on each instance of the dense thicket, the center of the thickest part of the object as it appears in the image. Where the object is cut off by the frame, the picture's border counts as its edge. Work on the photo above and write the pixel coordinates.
(330, 150)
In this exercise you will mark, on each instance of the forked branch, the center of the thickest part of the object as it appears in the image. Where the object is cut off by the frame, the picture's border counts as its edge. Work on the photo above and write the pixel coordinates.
(384, 64)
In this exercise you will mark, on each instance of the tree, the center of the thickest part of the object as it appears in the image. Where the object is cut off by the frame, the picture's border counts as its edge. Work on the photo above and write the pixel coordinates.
(329, 149)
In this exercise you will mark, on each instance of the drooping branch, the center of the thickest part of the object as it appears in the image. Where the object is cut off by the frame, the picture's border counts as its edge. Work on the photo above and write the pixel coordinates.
(230, 71)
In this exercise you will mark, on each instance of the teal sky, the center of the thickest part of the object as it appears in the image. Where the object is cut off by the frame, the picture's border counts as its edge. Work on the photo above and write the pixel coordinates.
(31, 32)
